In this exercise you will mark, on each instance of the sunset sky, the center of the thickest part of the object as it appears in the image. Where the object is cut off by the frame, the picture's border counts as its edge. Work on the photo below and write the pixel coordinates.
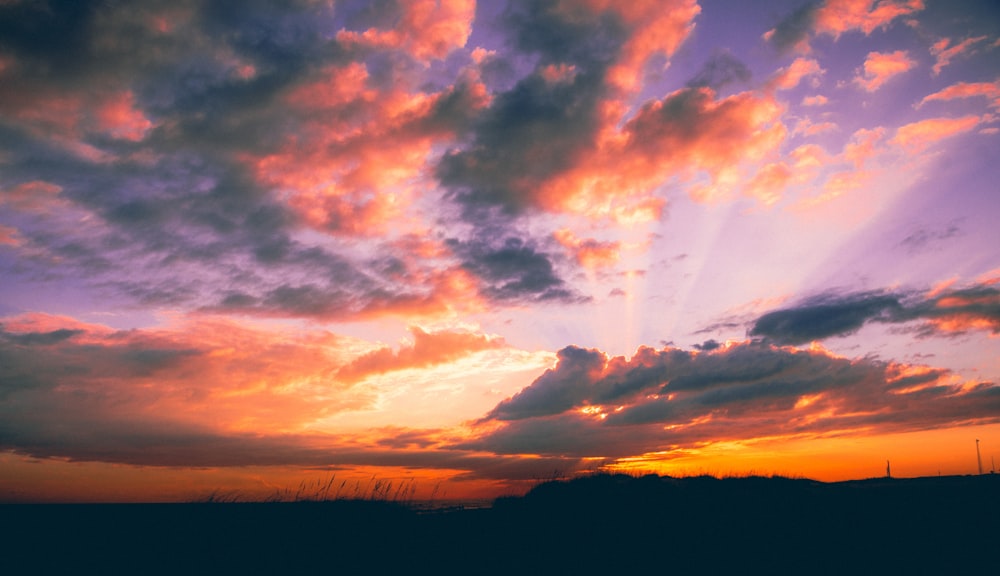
(246, 245)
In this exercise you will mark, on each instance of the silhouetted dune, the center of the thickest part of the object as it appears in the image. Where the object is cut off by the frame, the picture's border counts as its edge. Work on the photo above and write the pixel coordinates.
(596, 524)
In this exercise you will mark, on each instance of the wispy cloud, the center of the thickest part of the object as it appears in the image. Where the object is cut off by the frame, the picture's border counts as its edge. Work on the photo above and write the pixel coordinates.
(943, 53)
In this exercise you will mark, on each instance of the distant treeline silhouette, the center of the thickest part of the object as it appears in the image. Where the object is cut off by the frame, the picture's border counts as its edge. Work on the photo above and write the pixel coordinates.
(600, 524)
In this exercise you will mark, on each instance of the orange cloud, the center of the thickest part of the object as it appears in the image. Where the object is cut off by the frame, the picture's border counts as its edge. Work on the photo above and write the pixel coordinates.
(991, 90)
(688, 134)
(657, 28)
(787, 78)
(690, 131)
(589, 253)
(769, 182)
(863, 146)
(880, 67)
(427, 30)
(808, 156)
(944, 55)
(350, 166)
(428, 348)
(209, 373)
(817, 100)
(837, 184)
(962, 310)
(919, 135)
(836, 17)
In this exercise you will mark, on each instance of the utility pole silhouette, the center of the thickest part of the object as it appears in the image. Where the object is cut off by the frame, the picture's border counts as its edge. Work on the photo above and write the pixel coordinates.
(979, 459)
(888, 471)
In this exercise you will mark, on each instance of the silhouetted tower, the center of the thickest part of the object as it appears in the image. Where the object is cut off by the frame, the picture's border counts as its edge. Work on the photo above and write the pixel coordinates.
(888, 471)
(979, 459)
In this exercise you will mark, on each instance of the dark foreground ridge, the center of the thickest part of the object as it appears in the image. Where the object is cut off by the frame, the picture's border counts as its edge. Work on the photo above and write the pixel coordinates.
(602, 524)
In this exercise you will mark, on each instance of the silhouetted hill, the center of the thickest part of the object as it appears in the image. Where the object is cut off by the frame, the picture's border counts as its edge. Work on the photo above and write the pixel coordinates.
(602, 524)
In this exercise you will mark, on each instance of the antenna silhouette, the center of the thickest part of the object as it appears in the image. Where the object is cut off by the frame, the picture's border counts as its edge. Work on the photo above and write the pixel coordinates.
(979, 459)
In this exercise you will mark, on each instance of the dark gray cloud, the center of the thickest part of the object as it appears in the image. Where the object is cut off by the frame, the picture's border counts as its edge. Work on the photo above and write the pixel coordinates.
(55, 37)
(593, 406)
(721, 70)
(947, 312)
(530, 134)
(538, 128)
(558, 389)
(364, 14)
(708, 345)
(40, 338)
(513, 270)
(795, 27)
(583, 377)
(826, 316)
(588, 39)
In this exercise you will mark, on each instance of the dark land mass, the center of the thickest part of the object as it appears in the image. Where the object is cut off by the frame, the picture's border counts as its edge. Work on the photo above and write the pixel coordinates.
(602, 524)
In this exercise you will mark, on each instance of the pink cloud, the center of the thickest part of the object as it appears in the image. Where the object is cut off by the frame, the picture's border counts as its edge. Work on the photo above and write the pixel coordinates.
(67, 119)
(427, 30)
(588, 252)
(658, 28)
(917, 136)
(800, 167)
(944, 54)
(835, 17)
(991, 90)
(36, 196)
(118, 117)
(353, 141)
(808, 128)
(769, 182)
(691, 131)
(863, 146)
(880, 67)
(800, 68)
(427, 349)
(688, 134)
(817, 100)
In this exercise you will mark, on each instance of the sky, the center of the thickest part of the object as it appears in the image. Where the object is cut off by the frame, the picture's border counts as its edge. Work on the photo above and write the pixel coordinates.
(467, 246)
